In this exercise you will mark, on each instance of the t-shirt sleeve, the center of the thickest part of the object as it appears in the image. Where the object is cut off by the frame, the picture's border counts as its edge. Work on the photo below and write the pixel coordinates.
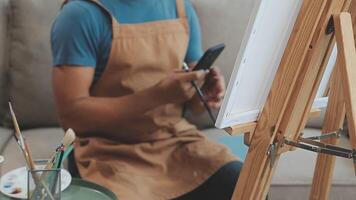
(74, 37)
(195, 51)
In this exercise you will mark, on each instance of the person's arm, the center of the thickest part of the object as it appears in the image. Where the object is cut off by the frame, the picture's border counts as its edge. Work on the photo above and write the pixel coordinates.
(84, 113)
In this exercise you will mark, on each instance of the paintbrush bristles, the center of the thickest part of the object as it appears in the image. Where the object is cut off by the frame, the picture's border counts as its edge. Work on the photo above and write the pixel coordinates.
(69, 138)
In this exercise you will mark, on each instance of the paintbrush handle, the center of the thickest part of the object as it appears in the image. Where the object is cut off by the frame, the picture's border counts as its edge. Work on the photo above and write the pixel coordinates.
(68, 151)
(205, 103)
(27, 149)
(201, 95)
(16, 125)
(60, 158)
(35, 176)
(50, 163)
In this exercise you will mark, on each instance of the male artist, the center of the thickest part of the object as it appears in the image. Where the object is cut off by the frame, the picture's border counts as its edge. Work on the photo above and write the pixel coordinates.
(118, 82)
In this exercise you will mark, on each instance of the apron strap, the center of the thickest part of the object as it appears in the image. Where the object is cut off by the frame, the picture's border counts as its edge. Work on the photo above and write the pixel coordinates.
(182, 15)
(181, 9)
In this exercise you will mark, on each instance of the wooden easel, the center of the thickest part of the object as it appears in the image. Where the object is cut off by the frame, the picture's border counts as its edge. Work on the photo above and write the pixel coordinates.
(284, 116)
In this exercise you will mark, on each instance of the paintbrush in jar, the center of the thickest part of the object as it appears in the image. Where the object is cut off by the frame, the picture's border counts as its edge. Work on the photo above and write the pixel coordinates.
(67, 141)
(21, 141)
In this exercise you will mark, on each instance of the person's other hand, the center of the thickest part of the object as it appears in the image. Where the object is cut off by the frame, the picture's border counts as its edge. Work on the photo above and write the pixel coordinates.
(214, 88)
(177, 87)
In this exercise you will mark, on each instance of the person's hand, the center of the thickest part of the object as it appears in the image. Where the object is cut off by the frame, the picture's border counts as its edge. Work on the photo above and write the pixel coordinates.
(214, 88)
(177, 87)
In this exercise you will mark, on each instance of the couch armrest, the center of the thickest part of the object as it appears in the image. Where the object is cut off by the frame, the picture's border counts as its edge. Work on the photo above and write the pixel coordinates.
(5, 136)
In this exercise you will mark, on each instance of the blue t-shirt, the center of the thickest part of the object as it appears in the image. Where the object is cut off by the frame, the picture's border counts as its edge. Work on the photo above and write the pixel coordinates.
(81, 34)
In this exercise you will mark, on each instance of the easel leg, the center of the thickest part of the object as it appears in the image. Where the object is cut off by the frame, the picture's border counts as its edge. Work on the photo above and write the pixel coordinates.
(342, 95)
(334, 118)
(347, 55)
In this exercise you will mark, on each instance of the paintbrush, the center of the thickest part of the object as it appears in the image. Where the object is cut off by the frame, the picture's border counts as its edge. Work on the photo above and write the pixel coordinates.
(22, 144)
(23, 152)
(201, 95)
(16, 126)
(59, 158)
(67, 141)
(29, 156)
(56, 162)
(68, 151)
(21, 141)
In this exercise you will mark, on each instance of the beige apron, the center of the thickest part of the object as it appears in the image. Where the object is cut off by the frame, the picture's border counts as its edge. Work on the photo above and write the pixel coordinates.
(160, 155)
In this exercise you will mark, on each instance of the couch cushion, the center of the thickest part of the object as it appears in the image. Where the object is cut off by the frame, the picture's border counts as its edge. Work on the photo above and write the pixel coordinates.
(30, 61)
(4, 9)
(5, 135)
(42, 144)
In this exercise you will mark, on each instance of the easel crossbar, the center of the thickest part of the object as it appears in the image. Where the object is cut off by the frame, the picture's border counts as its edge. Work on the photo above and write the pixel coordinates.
(325, 136)
(320, 147)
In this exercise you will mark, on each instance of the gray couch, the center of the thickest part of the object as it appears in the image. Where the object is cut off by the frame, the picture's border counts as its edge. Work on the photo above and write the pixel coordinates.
(25, 73)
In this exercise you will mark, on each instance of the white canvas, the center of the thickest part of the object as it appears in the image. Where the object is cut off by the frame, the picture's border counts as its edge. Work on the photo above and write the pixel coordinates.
(256, 65)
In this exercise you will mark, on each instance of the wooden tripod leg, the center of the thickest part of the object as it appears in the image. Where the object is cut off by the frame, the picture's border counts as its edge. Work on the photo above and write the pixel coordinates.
(335, 113)
(347, 55)
(334, 118)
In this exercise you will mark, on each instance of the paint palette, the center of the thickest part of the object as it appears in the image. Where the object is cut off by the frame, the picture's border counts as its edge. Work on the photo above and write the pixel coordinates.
(14, 183)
